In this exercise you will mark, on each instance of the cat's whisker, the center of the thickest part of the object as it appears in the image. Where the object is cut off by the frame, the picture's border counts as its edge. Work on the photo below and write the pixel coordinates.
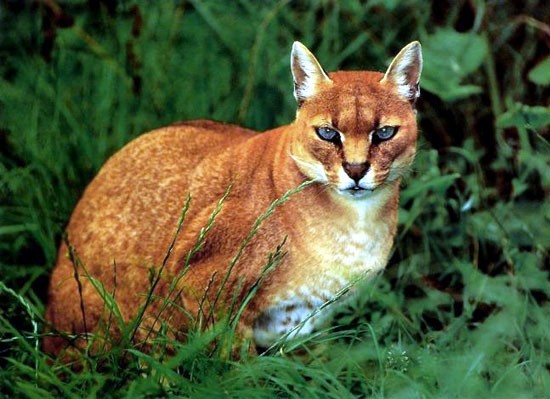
(314, 171)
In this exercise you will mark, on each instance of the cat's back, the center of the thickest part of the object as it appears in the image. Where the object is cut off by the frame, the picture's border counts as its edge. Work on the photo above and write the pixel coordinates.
(180, 146)
(140, 191)
(165, 158)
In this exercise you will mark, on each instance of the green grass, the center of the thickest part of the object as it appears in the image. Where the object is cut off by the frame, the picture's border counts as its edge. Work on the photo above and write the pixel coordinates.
(462, 308)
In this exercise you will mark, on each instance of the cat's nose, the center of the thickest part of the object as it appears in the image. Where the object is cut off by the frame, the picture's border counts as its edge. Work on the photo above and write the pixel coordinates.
(356, 170)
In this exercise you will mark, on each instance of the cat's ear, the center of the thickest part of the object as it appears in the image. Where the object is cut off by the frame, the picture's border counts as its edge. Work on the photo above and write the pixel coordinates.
(309, 77)
(404, 71)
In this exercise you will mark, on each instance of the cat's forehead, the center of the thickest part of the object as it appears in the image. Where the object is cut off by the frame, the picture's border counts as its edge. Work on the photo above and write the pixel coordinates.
(355, 78)
(357, 101)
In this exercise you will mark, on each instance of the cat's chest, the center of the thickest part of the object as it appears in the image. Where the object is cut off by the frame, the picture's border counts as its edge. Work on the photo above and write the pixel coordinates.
(324, 261)
(343, 251)
(349, 248)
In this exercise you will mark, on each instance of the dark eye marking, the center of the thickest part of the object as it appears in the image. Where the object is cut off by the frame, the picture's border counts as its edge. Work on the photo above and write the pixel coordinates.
(384, 133)
(328, 134)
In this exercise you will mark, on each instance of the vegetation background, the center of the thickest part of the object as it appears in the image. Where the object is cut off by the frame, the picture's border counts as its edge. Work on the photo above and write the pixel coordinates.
(462, 309)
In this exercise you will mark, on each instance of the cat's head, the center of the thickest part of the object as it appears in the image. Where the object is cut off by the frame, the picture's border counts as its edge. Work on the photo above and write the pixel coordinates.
(355, 131)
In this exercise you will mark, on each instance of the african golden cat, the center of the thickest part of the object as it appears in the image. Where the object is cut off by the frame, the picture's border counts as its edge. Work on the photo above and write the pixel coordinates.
(354, 136)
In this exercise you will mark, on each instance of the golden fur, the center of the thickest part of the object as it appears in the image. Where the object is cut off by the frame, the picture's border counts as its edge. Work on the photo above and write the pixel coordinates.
(127, 216)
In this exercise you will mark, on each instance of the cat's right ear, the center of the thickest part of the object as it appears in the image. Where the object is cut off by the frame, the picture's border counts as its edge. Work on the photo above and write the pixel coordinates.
(309, 77)
(404, 72)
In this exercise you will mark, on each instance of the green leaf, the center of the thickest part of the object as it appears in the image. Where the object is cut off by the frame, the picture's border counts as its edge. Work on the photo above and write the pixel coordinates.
(540, 74)
(438, 184)
(389, 5)
(449, 57)
(521, 115)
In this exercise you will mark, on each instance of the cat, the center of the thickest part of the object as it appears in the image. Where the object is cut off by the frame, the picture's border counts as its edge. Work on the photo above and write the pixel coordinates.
(353, 138)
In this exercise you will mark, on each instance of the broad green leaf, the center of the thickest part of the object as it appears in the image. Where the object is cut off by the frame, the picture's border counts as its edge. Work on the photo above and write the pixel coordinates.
(449, 57)
(389, 5)
(437, 184)
(521, 115)
(540, 74)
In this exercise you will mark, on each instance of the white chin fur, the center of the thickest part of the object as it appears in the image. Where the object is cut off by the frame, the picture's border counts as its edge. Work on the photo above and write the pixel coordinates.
(354, 194)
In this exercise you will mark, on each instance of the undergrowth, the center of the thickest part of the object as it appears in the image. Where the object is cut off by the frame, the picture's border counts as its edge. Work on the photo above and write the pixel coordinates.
(462, 308)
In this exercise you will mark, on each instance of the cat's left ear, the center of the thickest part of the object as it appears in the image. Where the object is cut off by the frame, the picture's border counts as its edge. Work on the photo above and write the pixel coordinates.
(404, 71)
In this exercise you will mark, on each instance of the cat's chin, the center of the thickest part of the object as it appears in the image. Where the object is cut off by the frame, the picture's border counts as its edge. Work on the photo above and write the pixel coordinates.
(355, 192)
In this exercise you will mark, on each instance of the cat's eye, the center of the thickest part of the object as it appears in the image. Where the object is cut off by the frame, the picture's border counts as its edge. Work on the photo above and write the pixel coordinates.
(328, 134)
(384, 133)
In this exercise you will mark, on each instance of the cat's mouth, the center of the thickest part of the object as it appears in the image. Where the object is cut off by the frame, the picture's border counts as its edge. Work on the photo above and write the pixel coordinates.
(355, 191)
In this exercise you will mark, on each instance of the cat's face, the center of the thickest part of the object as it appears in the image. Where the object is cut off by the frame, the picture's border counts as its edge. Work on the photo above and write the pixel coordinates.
(357, 130)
